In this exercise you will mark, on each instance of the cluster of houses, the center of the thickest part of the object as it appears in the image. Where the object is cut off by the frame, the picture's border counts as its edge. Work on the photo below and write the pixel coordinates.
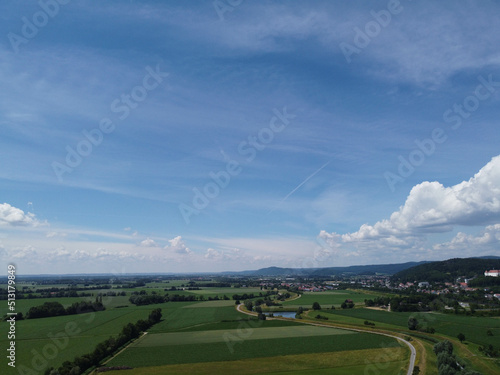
(308, 287)
(461, 284)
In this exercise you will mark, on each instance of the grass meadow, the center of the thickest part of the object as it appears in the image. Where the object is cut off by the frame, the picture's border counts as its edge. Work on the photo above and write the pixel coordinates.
(474, 328)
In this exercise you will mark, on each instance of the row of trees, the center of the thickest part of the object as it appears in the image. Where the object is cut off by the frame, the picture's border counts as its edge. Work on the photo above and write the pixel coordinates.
(246, 296)
(106, 348)
(141, 299)
(49, 309)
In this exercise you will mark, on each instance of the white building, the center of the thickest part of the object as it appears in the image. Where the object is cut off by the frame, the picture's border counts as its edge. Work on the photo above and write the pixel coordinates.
(494, 273)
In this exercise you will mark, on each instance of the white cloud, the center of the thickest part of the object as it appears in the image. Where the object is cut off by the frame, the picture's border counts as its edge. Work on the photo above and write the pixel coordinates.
(13, 216)
(178, 246)
(485, 243)
(25, 253)
(214, 254)
(431, 208)
(55, 234)
(225, 255)
(148, 242)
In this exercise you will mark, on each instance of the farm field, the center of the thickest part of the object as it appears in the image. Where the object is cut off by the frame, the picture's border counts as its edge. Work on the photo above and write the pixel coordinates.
(356, 362)
(327, 299)
(58, 339)
(211, 336)
(79, 334)
(227, 291)
(239, 347)
(220, 303)
(202, 337)
(474, 328)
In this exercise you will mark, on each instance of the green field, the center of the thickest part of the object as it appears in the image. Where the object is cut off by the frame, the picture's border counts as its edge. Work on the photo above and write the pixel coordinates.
(220, 303)
(181, 318)
(51, 341)
(202, 337)
(387, 361)
(213, 333)
(227, 291)
(327, 299)
(474, 328)
(239, 347)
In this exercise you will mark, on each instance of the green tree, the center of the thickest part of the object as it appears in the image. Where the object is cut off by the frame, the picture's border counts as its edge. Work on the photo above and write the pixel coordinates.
(412, 323)
(155, 316)
(461, 337)
(443, 346)
(316, 306)
(249, 305)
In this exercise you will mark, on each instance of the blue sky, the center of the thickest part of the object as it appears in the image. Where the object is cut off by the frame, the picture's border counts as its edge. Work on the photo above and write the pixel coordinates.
(161, 136)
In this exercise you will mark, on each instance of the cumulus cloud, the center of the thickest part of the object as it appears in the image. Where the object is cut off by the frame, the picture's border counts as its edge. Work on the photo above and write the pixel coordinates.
(432, 208)
(27, 252)
(214, 254)
(231, 254)
(178, 246)
(486, 242)
(13, 216)
(148, 242)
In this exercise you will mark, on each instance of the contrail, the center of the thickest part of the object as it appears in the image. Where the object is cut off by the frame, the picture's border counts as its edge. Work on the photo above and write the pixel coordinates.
(298, 186)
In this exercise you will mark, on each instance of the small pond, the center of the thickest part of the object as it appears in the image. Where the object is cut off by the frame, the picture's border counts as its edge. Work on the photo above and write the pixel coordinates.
(284, 314)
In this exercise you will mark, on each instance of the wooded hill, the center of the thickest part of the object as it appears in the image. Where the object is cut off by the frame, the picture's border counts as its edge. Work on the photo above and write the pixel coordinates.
(448, 270)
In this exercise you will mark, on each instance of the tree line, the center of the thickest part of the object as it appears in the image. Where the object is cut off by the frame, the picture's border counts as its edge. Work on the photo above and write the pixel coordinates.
(149, 299)
(49, 309)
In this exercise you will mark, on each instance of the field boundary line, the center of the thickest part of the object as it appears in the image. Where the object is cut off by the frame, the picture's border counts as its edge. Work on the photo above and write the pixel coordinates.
(126, 347)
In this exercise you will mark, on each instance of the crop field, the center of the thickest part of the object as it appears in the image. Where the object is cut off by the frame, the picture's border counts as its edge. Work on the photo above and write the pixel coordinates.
(238, 324)
(227, 291)
(201, 337)
(241, 347)
(326, 299)
(355, 362)
(474, 328)
(220, 303)
(177, 319)
(57, 339)
(194, 337)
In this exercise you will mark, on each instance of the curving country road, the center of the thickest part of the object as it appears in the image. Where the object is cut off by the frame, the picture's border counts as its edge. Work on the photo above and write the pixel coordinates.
(413, 352)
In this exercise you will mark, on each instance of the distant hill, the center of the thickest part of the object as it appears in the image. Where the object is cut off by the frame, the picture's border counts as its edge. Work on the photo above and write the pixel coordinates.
(388, 269)
(448, 270)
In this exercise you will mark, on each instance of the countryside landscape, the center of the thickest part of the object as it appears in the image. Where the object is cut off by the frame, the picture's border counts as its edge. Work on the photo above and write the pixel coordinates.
(249, 187)
(253, 323)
